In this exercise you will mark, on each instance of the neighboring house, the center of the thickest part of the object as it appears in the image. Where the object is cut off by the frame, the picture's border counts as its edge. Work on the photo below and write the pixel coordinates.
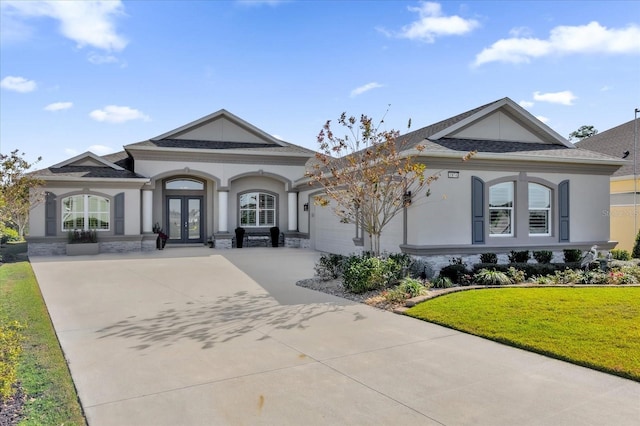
(526, 188)
(623, 212)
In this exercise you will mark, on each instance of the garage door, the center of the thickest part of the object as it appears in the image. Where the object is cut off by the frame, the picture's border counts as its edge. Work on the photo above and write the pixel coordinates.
(328, 234)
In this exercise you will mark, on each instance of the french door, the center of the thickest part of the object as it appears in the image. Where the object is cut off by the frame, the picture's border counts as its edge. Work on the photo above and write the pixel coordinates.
(184, 217)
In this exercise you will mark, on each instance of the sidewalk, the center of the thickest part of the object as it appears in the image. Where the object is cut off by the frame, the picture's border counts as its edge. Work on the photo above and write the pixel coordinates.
(196, 336)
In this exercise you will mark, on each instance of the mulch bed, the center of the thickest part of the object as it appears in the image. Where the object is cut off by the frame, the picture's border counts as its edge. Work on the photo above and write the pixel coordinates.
(11, 409)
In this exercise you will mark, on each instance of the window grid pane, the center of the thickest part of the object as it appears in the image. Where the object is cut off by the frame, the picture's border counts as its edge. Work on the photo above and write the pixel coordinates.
(501, 209)
(97, 214)
(257, 209)
(539, 210)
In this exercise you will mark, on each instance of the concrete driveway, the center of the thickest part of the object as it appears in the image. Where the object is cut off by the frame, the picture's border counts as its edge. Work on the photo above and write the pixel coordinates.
(195, 336)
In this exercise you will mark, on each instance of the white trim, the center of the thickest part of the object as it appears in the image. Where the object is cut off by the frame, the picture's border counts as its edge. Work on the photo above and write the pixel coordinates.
(87, 154)
(516, 109)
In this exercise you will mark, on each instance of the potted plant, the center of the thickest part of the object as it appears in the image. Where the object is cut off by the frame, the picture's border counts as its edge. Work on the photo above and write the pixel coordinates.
(161, 239)
(275, 235)
(239, 237)
(82, 242)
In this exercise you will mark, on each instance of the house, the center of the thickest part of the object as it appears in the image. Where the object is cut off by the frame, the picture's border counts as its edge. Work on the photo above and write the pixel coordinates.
(621, 142)
(526, 188)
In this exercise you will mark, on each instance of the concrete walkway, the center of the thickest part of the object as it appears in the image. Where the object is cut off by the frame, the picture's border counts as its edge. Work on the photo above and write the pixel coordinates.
(195, 336)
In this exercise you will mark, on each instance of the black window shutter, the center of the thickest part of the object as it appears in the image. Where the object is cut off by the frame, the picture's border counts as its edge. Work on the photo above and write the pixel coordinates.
(563, 210)
(50, 214)
(118, 220)
(477, 210)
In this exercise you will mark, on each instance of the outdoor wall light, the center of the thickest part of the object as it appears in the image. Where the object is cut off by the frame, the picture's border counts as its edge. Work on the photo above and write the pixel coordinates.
(306, 207)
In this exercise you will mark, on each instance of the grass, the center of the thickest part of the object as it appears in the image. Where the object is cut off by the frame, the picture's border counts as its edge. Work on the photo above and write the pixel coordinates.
(51, 397)
(596, 327)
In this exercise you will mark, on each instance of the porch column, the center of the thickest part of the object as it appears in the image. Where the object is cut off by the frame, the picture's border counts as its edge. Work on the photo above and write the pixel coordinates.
(147, 211)
(223, 200)
(293, 211)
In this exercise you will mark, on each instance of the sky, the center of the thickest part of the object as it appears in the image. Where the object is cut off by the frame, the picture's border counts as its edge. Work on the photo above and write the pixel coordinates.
(80, 76)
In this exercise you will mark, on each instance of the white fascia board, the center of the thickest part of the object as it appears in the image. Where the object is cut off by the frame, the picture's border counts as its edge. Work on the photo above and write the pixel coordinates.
(84, 179)
(87, 154)
(218, 151)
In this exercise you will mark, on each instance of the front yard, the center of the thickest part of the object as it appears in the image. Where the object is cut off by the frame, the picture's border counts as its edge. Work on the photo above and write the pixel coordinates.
(597, 327)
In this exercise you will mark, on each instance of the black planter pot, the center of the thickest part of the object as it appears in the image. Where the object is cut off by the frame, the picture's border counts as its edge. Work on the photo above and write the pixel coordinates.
(239, 237)
(275, 235)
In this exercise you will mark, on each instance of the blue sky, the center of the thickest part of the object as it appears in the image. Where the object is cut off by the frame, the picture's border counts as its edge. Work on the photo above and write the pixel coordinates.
(92, 75)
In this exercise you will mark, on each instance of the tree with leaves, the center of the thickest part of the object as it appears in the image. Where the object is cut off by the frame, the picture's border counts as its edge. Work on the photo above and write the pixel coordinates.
(369, 174)
(19, 190)
(583, 132)
(636, 247)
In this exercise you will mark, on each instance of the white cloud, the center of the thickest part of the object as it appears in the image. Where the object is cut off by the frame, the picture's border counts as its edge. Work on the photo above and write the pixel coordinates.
(71, 152)
(18, 84)
(592, 39)
(432, 24)
(545, 120)
(98, 59)
(58, 106)
(526, 104)
(563, 98)
(100, 149)
(88, 23)
(360, 90)
(117, 114)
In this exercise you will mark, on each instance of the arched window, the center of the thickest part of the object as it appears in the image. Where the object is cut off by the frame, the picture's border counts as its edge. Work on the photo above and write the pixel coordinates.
(257, 209)
(501, 210)
(539, 210)
(86, 212)
(185, 184)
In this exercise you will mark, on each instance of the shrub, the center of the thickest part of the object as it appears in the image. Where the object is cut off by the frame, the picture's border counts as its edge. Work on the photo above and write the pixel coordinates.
(529, 269)
(543, 256)
(422, 269)
(519, 256)
(363, 274)
(516, 275)
(620, 254)
(489, 258)
(9, 234)
(10, 349)
(408, 288)
(454, 272)
(82, 236)
(441, 282)
(330, 266)
(572, 255)
(491, 277)
(636, 247)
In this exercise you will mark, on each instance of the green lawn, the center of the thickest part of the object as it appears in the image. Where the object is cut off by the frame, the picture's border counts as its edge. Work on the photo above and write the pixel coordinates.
(50, 394)
(597, 327)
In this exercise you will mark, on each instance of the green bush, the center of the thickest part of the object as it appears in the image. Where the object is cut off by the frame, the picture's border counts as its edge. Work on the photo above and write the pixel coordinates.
(620, 254)
(441, 282)
(422, 269)
(489, 258)
(10, 350)
(363, 274)
(516, 275)
(519, 256)
(408, 288)
(454, 272)
(543, 256)
(636, 247)
(572, 255)
(529, 269)
(330, 266)
(9, 234)
(491, 277)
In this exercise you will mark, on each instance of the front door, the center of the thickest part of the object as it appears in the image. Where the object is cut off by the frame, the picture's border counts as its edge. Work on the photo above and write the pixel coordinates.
(184, 216)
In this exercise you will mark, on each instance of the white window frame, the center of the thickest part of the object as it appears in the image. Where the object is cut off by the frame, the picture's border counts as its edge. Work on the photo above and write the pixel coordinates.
(508, 209)
(86, 213)
(258, 210)
(546, 210)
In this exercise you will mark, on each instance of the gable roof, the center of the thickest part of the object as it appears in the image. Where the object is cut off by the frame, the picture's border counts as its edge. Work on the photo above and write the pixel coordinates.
(501, 120)
(221, 132)
(615, 142)
(90, 166)
(499, 130)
